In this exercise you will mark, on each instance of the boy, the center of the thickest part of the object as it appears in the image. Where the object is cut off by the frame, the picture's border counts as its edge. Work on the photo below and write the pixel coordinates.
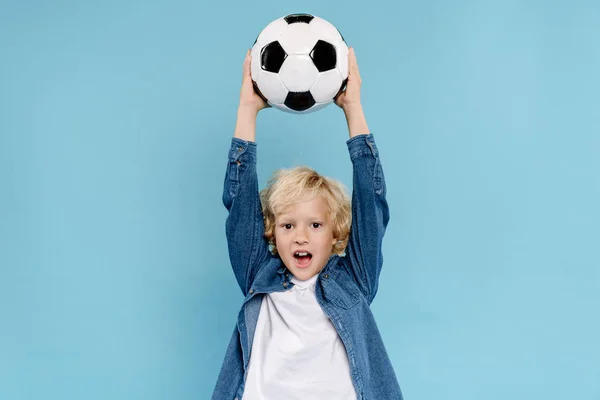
(305, 330)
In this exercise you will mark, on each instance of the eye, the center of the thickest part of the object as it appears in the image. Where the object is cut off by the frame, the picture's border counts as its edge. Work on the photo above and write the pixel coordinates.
(316, 225)
(286, 226)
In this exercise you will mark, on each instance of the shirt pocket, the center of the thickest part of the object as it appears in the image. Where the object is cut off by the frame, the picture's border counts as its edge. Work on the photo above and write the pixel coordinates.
(341, 290)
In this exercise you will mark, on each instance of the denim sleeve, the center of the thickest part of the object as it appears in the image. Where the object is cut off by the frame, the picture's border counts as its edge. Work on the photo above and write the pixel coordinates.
(370, 214)
(244, 227)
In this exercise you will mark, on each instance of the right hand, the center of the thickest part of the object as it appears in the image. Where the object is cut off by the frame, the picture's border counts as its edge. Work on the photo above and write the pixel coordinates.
(249, 99)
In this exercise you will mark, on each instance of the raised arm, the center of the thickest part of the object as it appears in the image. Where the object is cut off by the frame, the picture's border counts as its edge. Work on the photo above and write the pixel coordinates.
(248, 249)
(370, 212)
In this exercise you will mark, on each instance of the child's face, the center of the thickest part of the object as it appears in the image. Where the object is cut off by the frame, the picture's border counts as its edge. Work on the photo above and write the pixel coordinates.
(304, 237)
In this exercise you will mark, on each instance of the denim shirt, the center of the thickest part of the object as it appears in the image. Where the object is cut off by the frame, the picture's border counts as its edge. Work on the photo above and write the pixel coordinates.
(344, 288)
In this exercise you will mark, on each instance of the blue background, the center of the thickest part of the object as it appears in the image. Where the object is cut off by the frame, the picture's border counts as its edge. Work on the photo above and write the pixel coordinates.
(115, 122)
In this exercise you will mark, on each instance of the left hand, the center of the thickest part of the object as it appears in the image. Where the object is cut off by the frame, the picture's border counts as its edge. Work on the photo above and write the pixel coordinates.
(350, 97)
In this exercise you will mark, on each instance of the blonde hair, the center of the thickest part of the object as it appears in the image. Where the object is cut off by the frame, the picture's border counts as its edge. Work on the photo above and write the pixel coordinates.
(289, 186)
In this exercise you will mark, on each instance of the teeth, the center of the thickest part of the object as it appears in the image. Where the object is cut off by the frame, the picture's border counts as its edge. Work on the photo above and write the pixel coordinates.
(301, 253)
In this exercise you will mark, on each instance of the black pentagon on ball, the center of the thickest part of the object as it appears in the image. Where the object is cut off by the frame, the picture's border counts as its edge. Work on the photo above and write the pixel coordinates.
(272, 57)
(324, 56)
(295, 18)
(299, 101)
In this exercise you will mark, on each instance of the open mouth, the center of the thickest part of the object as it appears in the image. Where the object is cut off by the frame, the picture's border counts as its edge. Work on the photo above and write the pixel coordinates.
(302, 258)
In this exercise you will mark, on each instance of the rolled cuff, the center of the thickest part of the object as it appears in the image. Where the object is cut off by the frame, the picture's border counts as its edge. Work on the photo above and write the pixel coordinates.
(242, 151)
(362, 145)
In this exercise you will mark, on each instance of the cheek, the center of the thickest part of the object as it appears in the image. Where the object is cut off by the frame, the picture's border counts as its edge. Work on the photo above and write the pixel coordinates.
(280, 240)
(327, 240)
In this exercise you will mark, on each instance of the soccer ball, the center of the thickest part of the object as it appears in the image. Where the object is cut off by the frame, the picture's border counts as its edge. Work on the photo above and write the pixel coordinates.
(299, 63)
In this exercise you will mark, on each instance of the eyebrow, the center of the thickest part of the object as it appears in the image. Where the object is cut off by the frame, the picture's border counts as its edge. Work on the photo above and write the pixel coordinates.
(283, 218)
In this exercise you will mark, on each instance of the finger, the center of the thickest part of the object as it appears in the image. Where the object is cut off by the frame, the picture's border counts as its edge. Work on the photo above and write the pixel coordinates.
(247, 62)
(244, 64)
(353, 63)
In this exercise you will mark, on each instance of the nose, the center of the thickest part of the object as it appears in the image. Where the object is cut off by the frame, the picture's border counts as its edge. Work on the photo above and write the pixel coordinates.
(301, 237)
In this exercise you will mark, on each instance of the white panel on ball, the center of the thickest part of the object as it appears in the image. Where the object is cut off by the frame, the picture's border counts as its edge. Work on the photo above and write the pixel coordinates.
(325, 30)
(271, 87)
(298, 73)
(319, 106)
(270, 33)
(255, 68)
(342, 58)
(298, 38)
(326, 86)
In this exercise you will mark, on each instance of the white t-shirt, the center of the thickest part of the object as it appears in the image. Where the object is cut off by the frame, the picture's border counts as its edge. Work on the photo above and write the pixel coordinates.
(297, 353)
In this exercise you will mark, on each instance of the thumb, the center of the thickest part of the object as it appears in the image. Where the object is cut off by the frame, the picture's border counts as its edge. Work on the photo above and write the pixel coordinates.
(246, 69)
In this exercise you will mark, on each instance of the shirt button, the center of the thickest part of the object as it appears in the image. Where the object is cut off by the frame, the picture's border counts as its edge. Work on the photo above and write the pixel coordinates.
(251, 291)
(240, 149)
(326, 276)
(285, 284)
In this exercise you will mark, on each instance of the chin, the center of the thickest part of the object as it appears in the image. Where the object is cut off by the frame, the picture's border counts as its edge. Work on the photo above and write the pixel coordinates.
(303, 274)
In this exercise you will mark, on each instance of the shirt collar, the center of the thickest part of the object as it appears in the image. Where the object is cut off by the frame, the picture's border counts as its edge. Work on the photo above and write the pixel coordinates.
(306, 283)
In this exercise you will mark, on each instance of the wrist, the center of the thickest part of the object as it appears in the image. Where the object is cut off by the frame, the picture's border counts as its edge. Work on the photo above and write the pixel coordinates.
(352, 109)
(246, 111)
(357, 123)
(245, 127)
